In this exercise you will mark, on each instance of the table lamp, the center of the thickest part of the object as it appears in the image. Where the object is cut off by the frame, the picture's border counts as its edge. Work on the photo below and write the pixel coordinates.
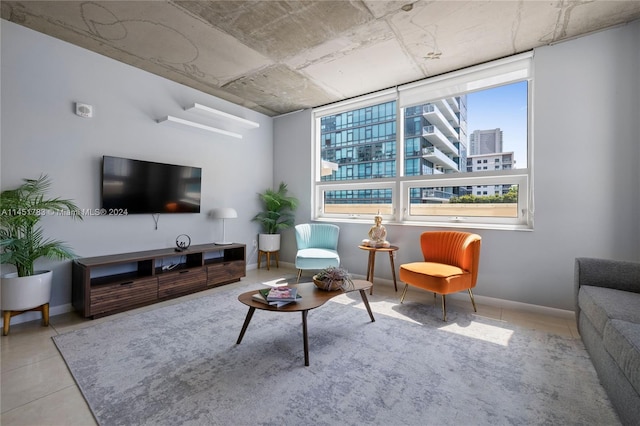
(223, 213)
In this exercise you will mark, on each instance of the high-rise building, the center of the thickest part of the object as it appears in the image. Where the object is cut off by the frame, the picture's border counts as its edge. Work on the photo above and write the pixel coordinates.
(485, 141)
(435, 137)
(363, 143)
(490, 162)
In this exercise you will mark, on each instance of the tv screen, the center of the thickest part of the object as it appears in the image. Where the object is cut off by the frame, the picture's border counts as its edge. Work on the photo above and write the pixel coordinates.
(137, 186)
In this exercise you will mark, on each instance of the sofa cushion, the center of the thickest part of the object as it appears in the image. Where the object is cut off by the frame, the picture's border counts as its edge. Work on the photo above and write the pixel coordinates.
(601, 304)
(622, 341)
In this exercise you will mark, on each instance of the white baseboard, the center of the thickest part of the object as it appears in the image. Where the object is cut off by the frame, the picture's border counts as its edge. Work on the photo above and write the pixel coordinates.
(520, 306)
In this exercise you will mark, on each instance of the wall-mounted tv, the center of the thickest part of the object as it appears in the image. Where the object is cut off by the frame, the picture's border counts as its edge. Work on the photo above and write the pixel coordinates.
(137, 186)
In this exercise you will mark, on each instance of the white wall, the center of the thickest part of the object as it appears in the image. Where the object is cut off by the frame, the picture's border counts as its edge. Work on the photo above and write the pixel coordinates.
(587, 175)
(292, 161)
(43, 77)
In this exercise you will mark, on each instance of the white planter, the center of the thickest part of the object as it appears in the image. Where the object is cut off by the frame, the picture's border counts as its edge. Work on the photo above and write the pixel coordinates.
(24, 293)
(269, 242)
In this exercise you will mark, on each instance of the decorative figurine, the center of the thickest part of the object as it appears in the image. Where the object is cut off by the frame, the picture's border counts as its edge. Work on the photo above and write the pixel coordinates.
(377, 234)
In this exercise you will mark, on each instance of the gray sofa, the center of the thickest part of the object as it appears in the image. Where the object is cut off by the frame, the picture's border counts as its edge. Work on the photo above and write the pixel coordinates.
(608, 317)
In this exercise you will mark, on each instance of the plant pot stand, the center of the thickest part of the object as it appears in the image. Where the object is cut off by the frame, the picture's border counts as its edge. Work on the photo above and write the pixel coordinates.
(268, 255)
(7, 315)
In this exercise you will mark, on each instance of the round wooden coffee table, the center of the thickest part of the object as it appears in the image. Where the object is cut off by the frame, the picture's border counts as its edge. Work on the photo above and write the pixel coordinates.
(311, 298)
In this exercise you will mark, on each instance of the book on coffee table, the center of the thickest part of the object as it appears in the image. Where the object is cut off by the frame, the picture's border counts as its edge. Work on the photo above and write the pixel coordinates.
(282, 294)
(261, 297)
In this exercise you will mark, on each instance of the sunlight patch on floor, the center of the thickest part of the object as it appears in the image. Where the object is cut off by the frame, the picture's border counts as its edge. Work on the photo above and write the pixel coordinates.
(276, 282)
(379, 307)
(486, 332)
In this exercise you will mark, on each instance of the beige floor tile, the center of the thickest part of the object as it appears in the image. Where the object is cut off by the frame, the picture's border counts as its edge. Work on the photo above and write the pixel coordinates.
(68, 319)
(34, 381)
(29, 351)
(573, 328)
(487, 311)
(546, 323)
(25, 333)
(65, 407)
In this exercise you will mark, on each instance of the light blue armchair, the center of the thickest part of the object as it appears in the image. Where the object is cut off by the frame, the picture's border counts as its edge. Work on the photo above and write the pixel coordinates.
(317, 246)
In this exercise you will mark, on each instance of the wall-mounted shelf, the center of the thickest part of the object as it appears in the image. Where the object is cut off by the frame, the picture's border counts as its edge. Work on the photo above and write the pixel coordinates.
(181, 121)
(212, 112)
(221, 118)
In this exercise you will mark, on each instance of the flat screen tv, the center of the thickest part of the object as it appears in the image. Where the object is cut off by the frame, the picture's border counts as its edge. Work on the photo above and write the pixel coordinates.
(136, 186)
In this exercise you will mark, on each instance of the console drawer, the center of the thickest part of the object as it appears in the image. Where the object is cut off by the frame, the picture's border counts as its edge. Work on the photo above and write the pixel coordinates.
(181, 282)
(115, 296)
(224, 272)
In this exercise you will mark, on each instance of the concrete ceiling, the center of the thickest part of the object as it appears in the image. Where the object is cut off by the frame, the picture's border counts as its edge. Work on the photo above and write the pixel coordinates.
(280, 56)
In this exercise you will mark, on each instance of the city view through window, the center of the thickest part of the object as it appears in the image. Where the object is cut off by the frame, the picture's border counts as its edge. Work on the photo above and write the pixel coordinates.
(479, 134)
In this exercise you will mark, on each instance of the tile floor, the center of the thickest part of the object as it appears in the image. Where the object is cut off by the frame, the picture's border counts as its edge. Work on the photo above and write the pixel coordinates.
(37, 388)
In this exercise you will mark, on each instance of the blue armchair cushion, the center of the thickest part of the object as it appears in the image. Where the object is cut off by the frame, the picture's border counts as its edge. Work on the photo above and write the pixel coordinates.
(314, 258)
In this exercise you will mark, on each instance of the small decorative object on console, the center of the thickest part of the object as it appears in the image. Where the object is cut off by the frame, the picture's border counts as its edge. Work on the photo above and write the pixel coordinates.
(183, 241)
(332, 278)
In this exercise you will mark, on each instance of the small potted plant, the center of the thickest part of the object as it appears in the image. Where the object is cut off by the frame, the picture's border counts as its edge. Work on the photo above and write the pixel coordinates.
(278, 214)
(22, 242)
(333, 278)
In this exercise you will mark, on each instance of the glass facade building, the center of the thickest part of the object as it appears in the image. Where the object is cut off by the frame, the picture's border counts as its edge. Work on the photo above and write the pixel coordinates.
(363, 142)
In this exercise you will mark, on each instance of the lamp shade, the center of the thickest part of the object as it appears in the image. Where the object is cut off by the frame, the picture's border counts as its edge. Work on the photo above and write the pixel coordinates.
(223, 213)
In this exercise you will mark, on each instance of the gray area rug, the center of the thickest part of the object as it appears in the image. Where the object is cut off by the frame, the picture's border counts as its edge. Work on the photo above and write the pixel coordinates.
(180, 365)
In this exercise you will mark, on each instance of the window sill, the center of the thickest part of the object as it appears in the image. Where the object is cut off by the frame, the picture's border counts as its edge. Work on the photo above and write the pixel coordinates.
(457, 225)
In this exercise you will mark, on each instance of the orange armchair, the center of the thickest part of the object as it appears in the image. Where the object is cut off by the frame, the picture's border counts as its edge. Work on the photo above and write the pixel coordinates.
(450, 265)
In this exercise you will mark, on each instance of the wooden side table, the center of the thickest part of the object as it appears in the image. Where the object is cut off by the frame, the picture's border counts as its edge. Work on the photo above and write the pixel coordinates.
(372, 262)
(268, 254)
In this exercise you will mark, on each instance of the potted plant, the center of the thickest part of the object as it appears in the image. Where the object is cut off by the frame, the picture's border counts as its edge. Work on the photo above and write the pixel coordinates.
(333, 278)
(277, 214)
(22, 242)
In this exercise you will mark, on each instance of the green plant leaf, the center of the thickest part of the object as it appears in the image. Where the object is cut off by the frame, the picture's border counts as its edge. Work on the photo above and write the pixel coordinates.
(22, 241)
(278, 210)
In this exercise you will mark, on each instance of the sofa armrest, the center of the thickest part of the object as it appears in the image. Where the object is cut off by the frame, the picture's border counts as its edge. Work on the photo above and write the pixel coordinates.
(616, 274)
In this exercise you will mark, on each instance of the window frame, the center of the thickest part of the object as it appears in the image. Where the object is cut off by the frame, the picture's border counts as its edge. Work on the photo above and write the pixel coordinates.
(482, 77)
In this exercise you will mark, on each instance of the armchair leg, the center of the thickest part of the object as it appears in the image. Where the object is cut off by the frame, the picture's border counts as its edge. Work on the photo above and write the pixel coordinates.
(404, 293)
(473, 302)
(444, 308)
(299, 273)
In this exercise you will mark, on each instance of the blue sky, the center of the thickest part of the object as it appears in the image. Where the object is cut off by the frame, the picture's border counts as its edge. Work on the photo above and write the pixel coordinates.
(503, 107)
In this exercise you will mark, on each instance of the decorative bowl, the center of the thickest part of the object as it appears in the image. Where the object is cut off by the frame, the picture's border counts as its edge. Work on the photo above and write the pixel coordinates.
(328, 285)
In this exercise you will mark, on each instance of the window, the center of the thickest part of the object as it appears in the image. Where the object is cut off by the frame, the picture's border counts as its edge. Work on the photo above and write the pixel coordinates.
(421, 153)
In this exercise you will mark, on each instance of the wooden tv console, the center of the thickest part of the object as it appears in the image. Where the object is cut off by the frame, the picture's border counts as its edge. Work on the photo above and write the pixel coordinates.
(104, 285)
